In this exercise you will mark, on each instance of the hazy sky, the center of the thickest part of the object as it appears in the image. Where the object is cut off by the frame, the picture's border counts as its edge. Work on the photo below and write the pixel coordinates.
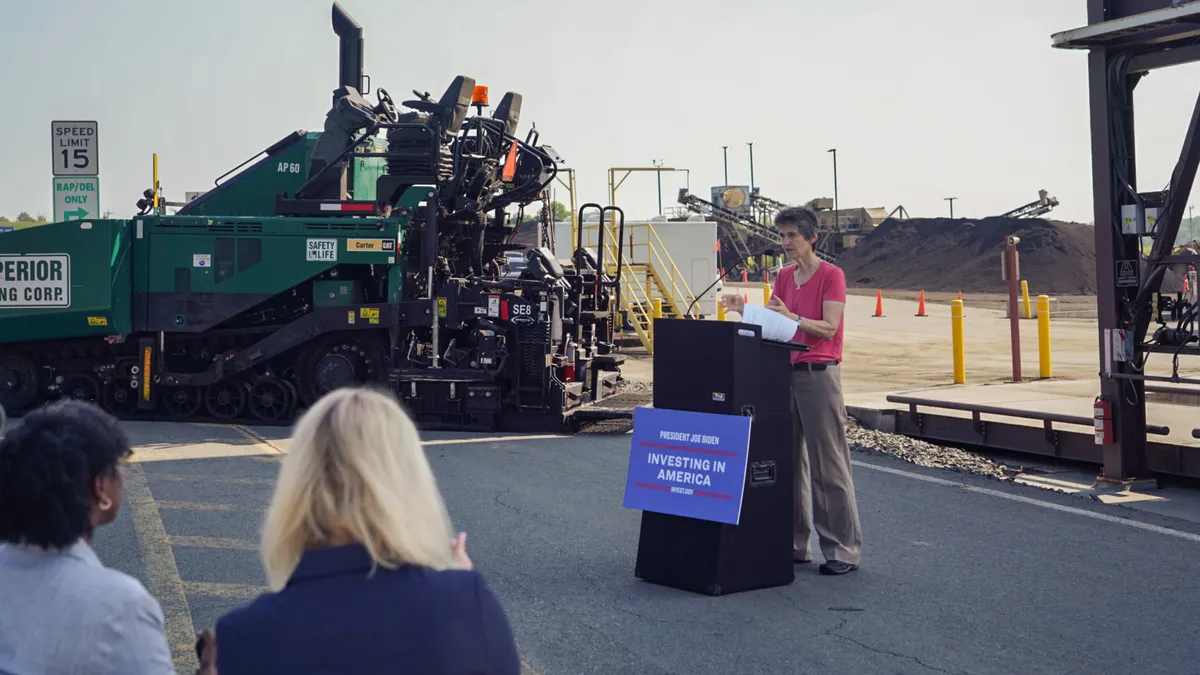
(923, 100)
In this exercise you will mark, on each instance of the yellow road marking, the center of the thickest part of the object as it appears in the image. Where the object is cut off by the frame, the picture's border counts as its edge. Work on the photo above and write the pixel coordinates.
(1049, 483)
(208, 450)
(213, 542)
(1058, 481)
(264, 449)
(162, 574)
(258, 439)
(223, 590)
(1121, 497)
(236, 480)
(493, 439)
(193, 506)
(1126, 496)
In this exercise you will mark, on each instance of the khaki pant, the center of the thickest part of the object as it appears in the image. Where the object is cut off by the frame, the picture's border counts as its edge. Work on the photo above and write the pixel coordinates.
(821, 452)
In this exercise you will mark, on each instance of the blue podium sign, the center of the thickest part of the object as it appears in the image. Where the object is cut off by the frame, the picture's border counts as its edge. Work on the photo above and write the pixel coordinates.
(688, 464)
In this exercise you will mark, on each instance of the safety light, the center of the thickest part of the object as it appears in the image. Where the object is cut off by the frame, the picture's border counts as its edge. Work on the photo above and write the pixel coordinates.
(480, 95)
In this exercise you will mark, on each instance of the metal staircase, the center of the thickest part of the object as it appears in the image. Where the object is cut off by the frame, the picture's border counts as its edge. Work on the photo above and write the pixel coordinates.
(650, 281)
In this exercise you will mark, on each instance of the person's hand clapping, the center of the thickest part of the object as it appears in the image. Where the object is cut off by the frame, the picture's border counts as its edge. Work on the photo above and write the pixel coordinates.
(208, 653)
(776, 305)
(733, 303)
(459, 546)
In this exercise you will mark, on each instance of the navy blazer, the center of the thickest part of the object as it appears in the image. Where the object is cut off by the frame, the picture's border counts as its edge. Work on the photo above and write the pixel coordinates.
(332, 618)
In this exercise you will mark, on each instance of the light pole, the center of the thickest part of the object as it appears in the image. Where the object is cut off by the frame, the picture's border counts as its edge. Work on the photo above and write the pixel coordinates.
(837, 216)
(951, 200)
(659, 174)
(725, 152)
(751, 166)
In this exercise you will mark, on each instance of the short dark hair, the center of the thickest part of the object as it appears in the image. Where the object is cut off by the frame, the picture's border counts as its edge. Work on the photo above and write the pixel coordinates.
(48, 462)
(802, 218)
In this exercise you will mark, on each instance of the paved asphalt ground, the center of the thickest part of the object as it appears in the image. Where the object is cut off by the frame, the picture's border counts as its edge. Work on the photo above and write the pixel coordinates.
(961, 574)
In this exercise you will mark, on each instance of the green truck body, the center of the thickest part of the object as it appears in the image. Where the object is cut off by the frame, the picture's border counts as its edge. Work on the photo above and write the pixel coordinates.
(190, 273)
(65, 280)
(371, 251)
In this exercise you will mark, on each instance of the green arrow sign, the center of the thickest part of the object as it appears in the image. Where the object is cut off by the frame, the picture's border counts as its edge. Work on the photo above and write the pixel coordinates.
(76, 197)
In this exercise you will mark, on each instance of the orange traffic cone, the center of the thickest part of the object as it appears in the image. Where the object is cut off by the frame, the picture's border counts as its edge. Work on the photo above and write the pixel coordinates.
(745, 275)
(960, 295)
(878, 303)
(921, 307)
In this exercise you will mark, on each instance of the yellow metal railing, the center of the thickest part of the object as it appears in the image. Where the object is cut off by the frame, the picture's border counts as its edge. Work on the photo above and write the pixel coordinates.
(672, 285)
(648, 281)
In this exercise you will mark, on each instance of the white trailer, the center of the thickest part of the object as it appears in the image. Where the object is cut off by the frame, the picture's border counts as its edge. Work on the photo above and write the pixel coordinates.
(690, 245)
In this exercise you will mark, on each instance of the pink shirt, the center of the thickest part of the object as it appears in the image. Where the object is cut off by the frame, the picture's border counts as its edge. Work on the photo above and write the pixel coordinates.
(828, 283)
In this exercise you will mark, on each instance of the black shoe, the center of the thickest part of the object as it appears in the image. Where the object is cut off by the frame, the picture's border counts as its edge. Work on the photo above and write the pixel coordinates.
(837, 567)
(801, 561)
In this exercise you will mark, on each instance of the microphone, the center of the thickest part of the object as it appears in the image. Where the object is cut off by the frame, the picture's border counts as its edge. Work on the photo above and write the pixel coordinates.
(766, 251)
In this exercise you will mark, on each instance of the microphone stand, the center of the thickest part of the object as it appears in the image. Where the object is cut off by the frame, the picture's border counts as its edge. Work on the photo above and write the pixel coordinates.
(688, 313)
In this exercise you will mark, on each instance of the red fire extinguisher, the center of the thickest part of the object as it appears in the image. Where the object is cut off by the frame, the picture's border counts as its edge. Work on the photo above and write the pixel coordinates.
(1102, 414)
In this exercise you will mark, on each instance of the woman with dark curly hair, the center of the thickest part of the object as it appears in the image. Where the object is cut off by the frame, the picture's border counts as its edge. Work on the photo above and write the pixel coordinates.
(63, 611)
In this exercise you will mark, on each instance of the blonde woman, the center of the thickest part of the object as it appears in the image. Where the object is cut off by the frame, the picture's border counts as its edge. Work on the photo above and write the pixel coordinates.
(368, 576)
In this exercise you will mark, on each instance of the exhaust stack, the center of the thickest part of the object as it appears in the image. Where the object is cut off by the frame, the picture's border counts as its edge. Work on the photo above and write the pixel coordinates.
(350, 50)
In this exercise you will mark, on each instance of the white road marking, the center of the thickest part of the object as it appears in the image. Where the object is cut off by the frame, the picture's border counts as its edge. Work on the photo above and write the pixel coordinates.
(1179, 534)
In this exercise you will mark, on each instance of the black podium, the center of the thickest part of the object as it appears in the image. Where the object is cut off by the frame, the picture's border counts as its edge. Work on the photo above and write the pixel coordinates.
(726, 368)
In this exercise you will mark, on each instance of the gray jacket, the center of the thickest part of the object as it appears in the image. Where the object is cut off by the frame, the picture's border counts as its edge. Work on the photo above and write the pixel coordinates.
(65, 613)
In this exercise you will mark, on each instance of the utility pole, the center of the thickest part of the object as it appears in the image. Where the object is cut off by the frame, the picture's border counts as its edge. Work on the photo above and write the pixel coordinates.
(659, 174)
(751, 166)
(725, 152)
(837, 216)
(951, 200)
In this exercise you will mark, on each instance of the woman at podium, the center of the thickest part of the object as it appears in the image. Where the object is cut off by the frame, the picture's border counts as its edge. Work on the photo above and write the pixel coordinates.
(812, 293)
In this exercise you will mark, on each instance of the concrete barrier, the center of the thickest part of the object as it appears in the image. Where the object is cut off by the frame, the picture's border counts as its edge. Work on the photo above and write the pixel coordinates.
(873, 418)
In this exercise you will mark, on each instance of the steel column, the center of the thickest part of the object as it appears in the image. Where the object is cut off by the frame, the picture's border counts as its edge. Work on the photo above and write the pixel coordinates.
(1113, 175)
(1126, 39)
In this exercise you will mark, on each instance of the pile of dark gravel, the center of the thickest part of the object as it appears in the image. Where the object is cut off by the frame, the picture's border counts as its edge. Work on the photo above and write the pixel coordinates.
(1056, 258)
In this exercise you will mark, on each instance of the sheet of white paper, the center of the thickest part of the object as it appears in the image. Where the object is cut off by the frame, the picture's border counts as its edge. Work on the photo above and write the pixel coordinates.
(775, 326)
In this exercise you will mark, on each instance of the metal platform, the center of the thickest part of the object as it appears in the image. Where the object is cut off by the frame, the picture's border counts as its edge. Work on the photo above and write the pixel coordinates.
(1141, 26)
(616, 407)
(927, 419)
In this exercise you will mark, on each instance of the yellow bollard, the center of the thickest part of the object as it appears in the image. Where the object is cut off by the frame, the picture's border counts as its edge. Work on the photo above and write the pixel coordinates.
(766, 294)
(720, 311)
(956, 326)
(1043, 305)
(655, 313)
(1025, 298)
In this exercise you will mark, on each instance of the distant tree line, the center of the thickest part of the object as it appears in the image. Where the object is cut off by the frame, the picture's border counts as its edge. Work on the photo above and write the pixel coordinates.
(24, 217)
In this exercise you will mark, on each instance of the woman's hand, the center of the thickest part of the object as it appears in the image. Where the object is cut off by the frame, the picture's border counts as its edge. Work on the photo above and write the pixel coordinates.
(776, 305)
(459, 546)
(208, 653)
(733, 303)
